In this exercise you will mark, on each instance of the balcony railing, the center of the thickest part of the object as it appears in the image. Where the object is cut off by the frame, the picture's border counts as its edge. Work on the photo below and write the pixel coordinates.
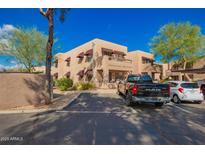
(120, 59)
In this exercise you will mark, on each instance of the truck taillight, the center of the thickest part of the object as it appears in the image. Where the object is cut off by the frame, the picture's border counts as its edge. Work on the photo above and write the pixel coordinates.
(134, 89)
(169, 89)
(181, 90)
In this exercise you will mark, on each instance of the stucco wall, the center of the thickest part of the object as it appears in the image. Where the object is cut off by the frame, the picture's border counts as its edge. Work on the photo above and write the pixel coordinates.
(103, 63)
(18, 89)
(139, 67)
(131, 63)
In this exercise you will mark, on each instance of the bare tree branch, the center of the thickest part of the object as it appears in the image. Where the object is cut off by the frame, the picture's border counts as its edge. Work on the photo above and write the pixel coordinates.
(42, 12)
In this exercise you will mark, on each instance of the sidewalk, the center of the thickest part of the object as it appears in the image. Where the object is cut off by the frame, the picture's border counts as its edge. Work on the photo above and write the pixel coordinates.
(58, 104)
(60, 101)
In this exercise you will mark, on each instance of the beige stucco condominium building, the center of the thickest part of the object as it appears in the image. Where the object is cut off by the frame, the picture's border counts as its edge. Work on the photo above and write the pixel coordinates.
(195, 71)
(103, 62)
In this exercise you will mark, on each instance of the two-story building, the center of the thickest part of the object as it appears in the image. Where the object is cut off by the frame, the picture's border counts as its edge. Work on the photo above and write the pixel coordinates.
(144, 63)
(194, 70)
(103, 62)
(97, 60)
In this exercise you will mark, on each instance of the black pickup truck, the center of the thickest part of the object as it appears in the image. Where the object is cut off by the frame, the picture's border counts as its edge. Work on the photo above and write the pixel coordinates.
(141, 89)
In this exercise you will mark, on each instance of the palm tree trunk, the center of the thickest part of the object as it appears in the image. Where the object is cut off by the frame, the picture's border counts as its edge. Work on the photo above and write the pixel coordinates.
(49, 54)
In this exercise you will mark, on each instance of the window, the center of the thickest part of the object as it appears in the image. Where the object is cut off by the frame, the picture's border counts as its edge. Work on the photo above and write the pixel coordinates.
(190, 85)
(89, 58)
(146, 60)
(55, 75)
(68, 76)
(172, 84)
(118, 57)
(68, 63)
(136, 78)
(121, 57)
(175, 77)
(107, 52)
(144, 73)
(146, 78)
(133, 78)
(80, 60)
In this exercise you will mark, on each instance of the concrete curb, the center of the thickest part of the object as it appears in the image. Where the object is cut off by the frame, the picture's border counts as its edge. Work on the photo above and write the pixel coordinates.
(40, 110)
(70, 101)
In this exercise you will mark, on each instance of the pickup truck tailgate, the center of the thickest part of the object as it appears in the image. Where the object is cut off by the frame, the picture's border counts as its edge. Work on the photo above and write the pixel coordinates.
(153, 90)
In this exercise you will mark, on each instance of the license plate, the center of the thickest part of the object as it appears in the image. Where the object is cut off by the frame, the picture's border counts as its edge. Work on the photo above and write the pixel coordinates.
(192, 91)
(152, 90)
(153, 99)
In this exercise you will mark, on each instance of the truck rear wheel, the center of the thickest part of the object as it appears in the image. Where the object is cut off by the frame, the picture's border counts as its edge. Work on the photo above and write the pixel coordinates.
(159, 104)
(128, 99)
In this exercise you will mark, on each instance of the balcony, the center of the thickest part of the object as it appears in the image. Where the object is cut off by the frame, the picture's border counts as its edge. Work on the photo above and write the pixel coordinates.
(150, 67)
(120, 59)
(117, 63)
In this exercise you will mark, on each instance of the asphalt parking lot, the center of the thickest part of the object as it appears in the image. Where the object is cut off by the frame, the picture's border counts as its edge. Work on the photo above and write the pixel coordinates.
(104, 119)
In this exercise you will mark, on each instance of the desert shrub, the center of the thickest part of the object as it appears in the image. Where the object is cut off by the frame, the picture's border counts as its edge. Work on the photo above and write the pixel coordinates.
(84, 86)
(165, 80)
(63, 84)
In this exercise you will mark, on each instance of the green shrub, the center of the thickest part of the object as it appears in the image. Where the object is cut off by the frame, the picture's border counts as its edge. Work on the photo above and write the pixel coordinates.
(63, 84)
(165, 80)
(84, 86)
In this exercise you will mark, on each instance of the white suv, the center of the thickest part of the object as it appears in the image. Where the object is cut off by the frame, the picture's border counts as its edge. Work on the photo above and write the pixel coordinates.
(185, 91)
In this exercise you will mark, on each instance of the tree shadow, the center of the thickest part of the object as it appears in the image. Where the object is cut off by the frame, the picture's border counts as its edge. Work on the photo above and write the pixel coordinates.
(56, 95)
(37, 86)
(105, 120)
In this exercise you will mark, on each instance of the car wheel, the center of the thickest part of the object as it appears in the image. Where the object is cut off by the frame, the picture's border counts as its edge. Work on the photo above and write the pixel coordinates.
(176, 99)
(159, 104)
(128, 100)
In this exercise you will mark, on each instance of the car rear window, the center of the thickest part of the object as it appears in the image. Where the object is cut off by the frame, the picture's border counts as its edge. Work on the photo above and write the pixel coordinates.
(189, 85)
(133, 78)
(144, 78)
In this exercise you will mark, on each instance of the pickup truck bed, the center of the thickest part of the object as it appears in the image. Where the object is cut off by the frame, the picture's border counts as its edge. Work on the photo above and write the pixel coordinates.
(141, 89)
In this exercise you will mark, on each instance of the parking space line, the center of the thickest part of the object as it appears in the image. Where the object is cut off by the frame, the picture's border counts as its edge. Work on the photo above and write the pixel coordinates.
(185, 110)
(180, 108)
(64, 111)
(94, 133)
(96, 112)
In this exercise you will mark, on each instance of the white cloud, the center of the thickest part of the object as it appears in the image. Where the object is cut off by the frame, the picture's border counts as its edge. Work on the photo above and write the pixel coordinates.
(5, 33)
(6, 66)
(10, 66)
(13, 62)
(6, 29)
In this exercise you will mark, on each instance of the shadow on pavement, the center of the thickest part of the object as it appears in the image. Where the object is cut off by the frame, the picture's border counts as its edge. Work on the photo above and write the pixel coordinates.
(114, 124)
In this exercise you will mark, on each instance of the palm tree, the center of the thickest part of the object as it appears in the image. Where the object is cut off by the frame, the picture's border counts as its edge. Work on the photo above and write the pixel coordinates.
(49, 14)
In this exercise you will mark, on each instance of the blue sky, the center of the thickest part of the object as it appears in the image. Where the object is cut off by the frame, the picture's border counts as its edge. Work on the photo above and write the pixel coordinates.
(131, 27)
